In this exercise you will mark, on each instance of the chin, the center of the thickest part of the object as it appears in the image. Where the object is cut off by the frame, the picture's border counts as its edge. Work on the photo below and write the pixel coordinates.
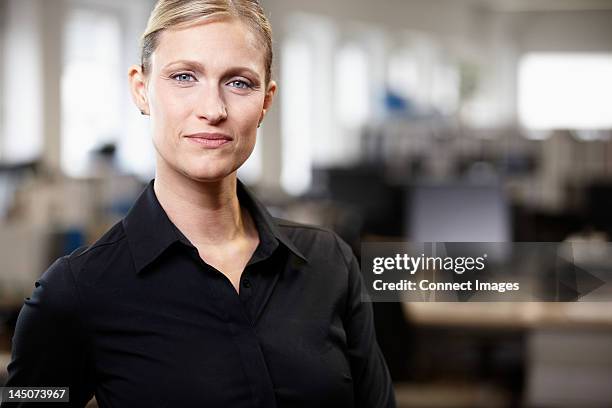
(209, 173)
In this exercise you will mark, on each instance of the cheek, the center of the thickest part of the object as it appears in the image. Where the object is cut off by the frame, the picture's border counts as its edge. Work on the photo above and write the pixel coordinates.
(248, 131)
(245, 112)
(167, 115)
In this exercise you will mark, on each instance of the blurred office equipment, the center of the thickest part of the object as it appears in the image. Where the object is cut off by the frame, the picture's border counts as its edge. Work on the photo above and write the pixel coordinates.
(489, 358)
(459, 212)
(569, 367)
(599, 203)
(24, 256)
(11, 176)
(366, 190)
(51, 218)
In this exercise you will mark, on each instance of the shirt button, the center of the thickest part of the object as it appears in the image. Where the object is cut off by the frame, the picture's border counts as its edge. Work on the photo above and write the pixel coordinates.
(246, 283)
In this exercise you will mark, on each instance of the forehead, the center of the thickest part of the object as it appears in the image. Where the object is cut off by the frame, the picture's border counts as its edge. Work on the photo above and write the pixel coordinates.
(213, 43)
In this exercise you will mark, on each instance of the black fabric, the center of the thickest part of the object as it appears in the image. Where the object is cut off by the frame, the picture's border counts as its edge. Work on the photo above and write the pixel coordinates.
(139, 319)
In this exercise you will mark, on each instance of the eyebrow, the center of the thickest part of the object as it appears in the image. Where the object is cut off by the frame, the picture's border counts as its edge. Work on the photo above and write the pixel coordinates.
(198, 66)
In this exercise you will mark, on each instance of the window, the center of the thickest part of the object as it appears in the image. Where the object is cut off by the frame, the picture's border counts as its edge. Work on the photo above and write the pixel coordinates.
(571, 91)
(351, 86)
(296, 68)
(403, 74)
(21, 126)
(90, 87)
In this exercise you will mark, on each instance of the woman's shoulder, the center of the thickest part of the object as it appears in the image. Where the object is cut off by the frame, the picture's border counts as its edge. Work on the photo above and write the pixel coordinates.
(89, 256)
(114, 235)
(314, 240)
(292, 225)
(297, 230)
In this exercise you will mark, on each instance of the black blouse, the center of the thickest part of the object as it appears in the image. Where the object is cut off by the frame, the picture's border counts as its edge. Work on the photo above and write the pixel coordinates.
(139, 319)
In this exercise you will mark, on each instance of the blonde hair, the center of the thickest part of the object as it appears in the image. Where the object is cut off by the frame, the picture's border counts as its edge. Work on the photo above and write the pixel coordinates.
(176, 13)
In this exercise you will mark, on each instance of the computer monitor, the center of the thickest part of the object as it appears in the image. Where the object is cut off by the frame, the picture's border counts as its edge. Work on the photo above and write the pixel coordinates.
(457, 212)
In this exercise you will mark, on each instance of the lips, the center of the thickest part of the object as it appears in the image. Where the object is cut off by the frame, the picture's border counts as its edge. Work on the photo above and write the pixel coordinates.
(211, 140)
(210, 136)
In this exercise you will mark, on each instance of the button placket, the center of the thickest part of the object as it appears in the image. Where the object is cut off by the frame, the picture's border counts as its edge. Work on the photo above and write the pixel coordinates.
(246, 291)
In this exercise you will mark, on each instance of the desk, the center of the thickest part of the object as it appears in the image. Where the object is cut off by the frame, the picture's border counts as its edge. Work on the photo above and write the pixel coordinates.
(512, 315)
(5, 359)
(567, 350)
(24, 251)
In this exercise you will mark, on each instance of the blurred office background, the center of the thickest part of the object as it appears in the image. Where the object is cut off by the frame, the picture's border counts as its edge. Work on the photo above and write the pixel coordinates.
(424, 120)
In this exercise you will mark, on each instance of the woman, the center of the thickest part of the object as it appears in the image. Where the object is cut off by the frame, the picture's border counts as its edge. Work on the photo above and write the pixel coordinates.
(198, 297)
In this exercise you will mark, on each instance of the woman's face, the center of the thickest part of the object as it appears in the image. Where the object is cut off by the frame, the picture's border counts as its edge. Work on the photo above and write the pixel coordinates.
(206, 95)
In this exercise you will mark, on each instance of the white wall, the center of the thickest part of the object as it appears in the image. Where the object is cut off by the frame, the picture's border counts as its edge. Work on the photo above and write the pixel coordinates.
(587, 31)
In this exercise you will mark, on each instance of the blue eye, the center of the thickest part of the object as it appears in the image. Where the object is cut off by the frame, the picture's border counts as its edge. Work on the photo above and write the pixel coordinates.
(240, 84)
(184, 77)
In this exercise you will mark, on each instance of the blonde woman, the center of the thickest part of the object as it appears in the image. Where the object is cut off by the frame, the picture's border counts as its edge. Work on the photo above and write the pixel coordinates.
(199, 297)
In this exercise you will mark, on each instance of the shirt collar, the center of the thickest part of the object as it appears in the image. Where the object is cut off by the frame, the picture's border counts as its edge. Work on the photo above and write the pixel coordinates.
(150, 232)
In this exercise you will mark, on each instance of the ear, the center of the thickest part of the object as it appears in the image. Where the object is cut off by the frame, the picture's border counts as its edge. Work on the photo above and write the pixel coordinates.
(270, 92)
(138, 88)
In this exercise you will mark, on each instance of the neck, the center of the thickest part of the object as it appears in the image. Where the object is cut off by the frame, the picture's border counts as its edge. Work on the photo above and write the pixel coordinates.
(207, 213)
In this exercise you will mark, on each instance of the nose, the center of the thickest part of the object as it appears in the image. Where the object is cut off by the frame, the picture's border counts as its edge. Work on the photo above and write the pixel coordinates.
(211, 106)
